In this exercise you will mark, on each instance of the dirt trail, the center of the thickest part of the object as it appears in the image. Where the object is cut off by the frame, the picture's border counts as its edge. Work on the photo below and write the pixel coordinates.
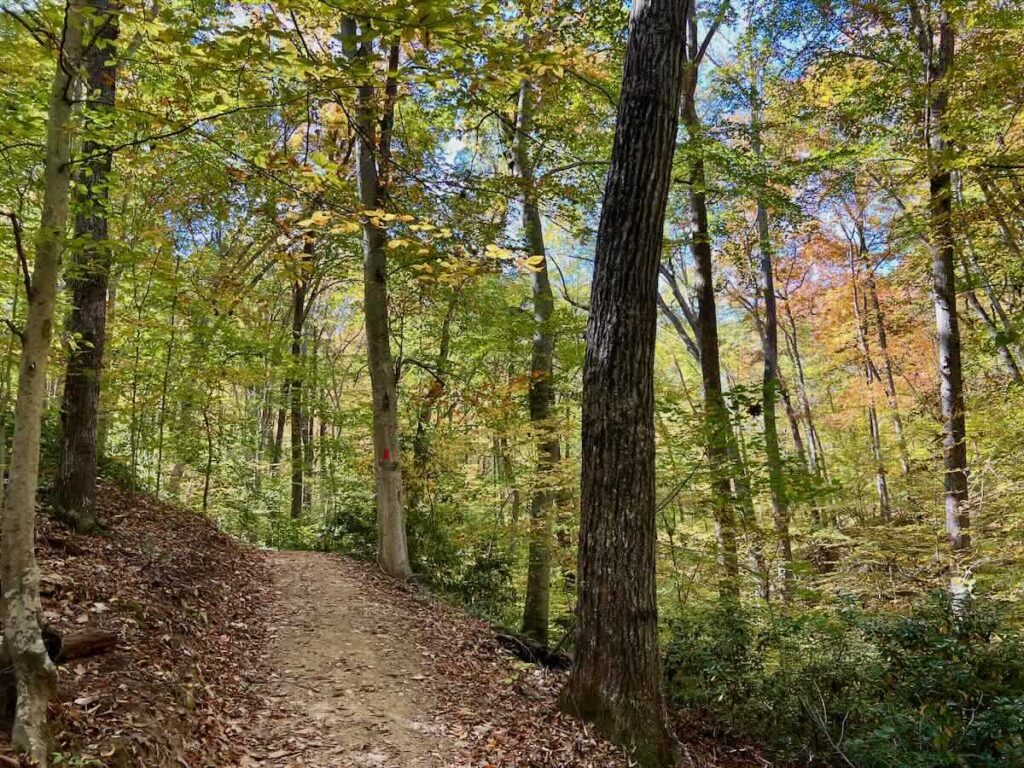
(349, 679)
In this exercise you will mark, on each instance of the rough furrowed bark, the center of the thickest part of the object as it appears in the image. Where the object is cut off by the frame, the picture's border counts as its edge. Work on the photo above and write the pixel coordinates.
(19, 572)
(75, 485)
(616, 680)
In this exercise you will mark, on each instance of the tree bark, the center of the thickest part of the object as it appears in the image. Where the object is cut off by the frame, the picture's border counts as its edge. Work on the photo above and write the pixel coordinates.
(392, 549)
(938, 62)
(718, 428)
(19, 572)
(870, 377)
(541, 396)
(770, 385)
(299, 288)
(75, 485)
(616, 680)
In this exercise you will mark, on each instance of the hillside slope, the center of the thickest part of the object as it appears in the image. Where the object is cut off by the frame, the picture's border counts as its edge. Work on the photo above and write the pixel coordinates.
(231, 656)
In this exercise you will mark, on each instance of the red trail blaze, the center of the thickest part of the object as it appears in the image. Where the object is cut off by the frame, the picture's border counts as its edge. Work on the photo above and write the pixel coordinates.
(387, 454)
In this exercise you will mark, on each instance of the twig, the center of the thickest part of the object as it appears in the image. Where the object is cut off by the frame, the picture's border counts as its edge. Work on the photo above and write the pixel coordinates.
(19, 247)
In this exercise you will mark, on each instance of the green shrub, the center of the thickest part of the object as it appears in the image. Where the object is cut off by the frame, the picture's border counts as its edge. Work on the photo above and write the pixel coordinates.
(931, 688)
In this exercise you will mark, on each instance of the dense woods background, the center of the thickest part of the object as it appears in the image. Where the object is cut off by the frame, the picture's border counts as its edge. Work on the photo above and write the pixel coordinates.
(325, 275)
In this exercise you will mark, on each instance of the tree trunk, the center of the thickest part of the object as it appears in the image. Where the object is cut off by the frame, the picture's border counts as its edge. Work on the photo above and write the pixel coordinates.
(166, 378)
(770, 380)
(889, 380)
(616, 680)
(870, 377)
(392, 549)
(718, 427)
(108, 397)
(19, 572)
(541, 395)
(295, 386)
(938, 63)
(815, 453)
(421, 441)
(75, 485)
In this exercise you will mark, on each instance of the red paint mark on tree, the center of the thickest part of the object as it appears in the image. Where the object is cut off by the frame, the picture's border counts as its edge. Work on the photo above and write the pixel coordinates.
(387, 454)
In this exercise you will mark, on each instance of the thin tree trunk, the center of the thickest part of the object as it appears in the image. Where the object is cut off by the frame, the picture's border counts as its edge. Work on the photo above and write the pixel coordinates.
(716, 414)
(165, 379)
(75, 484)
(421, 454)
(282, 420)
(870, 377)
(815, 453)
(107, 396)
(5, 388)
(541, 394)
(889, 379)
(1009, 361)
(392, 548)
(19, 573)
(770, 380)
(616, 678)
(295, 385)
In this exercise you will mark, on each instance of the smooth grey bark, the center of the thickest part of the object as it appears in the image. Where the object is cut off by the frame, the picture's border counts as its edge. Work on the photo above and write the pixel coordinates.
(392, 548)
(75, 482)
(616, 678)
(937, 45)
(34, 673)
(541, 395)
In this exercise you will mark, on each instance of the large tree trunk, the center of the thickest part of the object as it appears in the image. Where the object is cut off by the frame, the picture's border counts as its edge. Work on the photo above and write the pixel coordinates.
(718, 428)
(541, 394)
(938, 61)
(616, 679)
(19, 572)
(392, 549)
(75, 486)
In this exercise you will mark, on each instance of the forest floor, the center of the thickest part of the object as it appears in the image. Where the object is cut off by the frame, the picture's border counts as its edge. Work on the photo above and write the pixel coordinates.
(229, 656)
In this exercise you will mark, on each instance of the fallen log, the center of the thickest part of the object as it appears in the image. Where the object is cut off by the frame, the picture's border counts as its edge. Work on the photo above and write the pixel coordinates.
(532, 652)
(61, 649)
(82, 645)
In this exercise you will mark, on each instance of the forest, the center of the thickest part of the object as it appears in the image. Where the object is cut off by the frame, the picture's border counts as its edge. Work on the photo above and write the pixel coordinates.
(677, 342)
